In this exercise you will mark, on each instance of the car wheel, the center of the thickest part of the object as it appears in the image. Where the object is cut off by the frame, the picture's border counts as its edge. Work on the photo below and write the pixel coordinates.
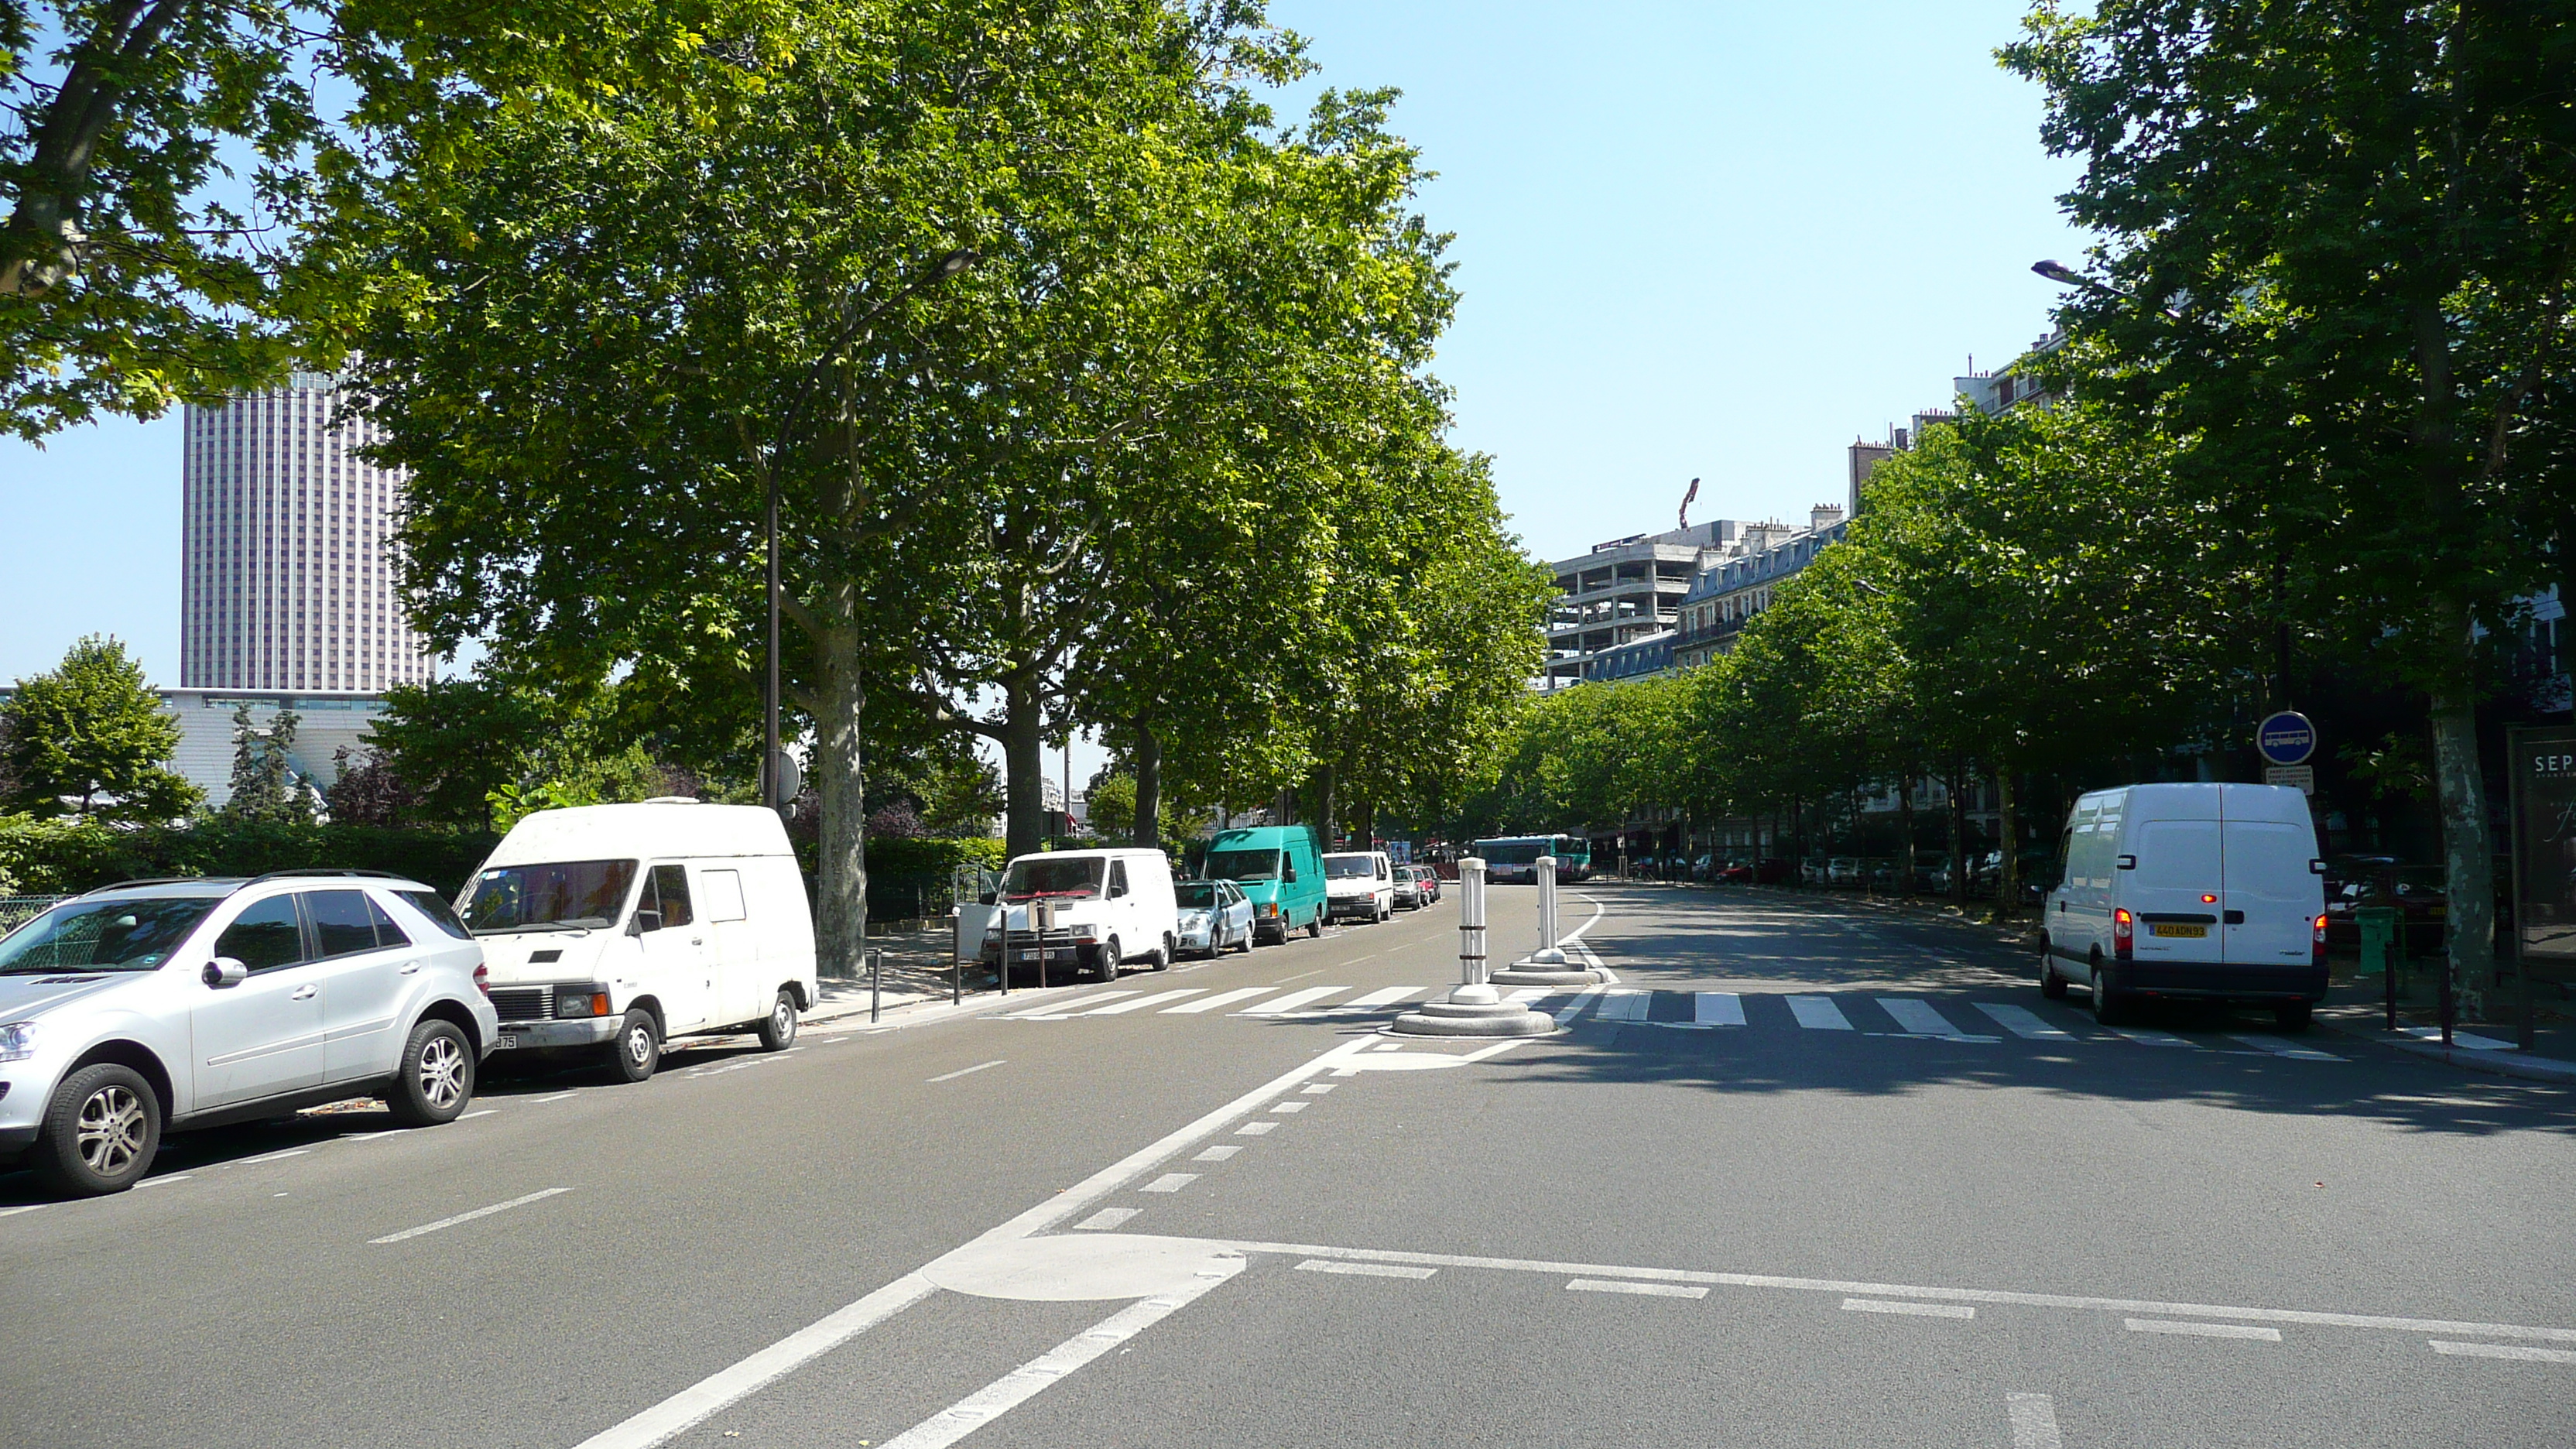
(1315, 927)
(2051, 985)
(2109, 1006)
(100, 1132)
(637, 1049)
(1161, 960)
(1245, 945)
(2292, 1015)
(1109, 958)
(778, 1029)
(436, 1078)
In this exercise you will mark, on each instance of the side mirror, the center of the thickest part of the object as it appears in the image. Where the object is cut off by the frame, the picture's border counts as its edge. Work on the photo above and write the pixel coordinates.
(644, 921)
(2126, 862)
(225, 971)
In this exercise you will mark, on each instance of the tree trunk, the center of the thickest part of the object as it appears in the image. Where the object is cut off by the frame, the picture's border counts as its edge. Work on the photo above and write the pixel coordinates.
(1023, 768)
(2459, 782)
(1149, 788)
(1327, 821)
(2008, 863)
(841, 871)
(1958, 836)
(1905, 823)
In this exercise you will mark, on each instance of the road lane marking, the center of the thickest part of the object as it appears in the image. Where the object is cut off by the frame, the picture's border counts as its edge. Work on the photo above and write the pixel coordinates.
(1818, 1013)
(1717, 1008)
(1572, 1009)
(2023, 1022)
(154, 1182)
(1302, 975)
(2034, 1421)
(1384, 996)
(2280, 1048)
(1255, 1129)
(1218, 1154)
(1156, 999)
(1291, 1001)
(1222, 998)
(2305, 1317)
(481, 1212)
(1527, 994)
(1917, 1017)
(1057, 1011)
(2201, 1330)
(2502, 1350)
(557, 1097)
(1032, 1378)
(1290, 1106)
(970, 1071)
(1106, 1219)
(1170, 1182)
(693, 1405)
(1316, 1089)
(31, 1207)
(486, 1112)
(273, 1156)
(1917, 1310)
(1650, 1290)
(2145, 1036)
(1366, 1270)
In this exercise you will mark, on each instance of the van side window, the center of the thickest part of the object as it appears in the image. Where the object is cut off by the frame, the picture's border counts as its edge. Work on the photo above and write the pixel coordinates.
(667, 890)
(1117, 879)
(723, 890)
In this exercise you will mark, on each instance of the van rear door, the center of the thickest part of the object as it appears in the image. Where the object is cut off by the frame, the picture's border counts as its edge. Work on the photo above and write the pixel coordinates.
(2178, 864)
(2267, 893)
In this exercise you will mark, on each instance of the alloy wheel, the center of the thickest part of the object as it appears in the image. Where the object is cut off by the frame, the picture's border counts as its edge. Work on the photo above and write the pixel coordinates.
(111, 1130)
(442, 1072)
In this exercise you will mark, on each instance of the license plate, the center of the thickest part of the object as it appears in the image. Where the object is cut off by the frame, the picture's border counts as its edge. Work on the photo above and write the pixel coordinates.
(2164, 928)
(506, 1042)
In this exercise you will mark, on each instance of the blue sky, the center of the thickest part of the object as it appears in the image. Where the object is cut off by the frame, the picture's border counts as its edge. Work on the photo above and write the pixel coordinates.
(1714, 240)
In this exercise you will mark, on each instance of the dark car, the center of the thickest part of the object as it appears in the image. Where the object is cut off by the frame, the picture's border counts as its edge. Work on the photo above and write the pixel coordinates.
(2417, 891)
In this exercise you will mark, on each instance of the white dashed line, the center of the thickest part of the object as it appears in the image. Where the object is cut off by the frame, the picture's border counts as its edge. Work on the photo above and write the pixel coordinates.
(2202, 1330)
(1365, 1270)
(1648, 1290)
(1919, 1310)
(1217, 1154)
(2034, 1421)
(2502, 1350)
(1170, 1182)
(1255, 1129)
(969, 1071)
(481, 1212)
(1106, 1219)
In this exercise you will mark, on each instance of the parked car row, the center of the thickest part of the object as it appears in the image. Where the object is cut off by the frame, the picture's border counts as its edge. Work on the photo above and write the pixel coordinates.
(160, 1006)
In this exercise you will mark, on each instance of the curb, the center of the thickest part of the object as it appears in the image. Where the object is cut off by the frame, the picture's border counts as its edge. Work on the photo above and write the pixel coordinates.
(2502, 1064)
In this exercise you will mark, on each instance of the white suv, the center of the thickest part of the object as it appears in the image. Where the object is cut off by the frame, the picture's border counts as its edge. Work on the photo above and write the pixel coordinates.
(176, 1004)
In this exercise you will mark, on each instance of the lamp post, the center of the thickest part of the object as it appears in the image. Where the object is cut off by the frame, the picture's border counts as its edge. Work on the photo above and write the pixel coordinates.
(947, 266)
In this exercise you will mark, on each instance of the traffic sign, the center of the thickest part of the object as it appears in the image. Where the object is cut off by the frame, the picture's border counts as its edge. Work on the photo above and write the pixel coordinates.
(2301, 778)
(2286, 738)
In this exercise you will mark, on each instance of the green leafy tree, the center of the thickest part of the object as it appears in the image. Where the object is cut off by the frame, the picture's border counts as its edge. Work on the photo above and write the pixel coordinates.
(265, 785)
(2336, 265)
(90, 738)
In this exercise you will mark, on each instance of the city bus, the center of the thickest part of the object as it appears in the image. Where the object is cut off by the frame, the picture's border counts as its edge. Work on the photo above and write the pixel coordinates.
(1515, 857)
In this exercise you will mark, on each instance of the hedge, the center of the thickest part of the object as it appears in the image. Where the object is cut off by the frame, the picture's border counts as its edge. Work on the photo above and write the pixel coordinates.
(63, 857)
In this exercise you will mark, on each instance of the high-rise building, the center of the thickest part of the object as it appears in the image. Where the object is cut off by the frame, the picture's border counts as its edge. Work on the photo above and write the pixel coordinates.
(286, 556)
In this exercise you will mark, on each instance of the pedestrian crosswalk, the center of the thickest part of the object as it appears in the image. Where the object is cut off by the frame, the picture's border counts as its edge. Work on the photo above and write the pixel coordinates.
(1916, 1018)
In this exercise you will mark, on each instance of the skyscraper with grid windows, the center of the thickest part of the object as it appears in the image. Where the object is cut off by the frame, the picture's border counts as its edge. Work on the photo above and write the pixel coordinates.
(287, 578)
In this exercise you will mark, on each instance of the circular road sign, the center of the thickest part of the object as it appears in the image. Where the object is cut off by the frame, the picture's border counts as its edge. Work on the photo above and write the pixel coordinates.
(2286, 738)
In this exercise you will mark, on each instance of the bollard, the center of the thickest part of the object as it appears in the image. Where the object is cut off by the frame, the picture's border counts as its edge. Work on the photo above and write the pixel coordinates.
(1475, 1008)
(876, 984)
(1547, 965)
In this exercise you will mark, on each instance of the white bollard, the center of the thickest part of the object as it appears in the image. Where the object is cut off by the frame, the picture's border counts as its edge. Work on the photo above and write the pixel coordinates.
(1472, 986)
(1475, 1008)
(1547, 954)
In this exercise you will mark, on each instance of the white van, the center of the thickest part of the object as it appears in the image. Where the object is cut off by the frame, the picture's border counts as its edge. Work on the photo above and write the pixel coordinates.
(1111, 907)
(613, 928)
(2189, 890)
(1359, 883)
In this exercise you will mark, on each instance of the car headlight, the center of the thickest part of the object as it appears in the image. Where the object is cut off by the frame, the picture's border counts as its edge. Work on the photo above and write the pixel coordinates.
(17, 1041)
(573, 1005)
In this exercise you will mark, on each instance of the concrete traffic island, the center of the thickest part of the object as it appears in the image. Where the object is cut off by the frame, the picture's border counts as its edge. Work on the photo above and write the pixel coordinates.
(1546, 966)
(1475, 1008)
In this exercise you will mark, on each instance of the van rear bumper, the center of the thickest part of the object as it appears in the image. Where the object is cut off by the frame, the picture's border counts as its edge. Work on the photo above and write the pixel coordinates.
(2229, 982)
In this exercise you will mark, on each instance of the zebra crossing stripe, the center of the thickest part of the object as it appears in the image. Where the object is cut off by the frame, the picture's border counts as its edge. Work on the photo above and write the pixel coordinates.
(1624, 1005)
(1917, 1017)
(1066, 1008)
(1211, 1003)
(1291, 1001)
(1818, 1013)
(2280, 1048)
(2022, 1022)
(1717, 1008)
(1387, 996)
(2146, 1036)
(1157, 999)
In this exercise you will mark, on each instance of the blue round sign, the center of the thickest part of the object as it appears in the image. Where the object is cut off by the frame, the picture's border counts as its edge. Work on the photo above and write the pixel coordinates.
(2286, 738)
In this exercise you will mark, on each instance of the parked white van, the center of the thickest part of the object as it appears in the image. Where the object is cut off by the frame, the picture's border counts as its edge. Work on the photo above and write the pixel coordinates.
(1110, 907)
(613, 928)
(1359, 883)
(2189, 890)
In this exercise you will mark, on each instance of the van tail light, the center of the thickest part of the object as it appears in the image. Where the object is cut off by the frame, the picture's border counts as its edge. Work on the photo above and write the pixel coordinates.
(483, 980)
(2320, 947)
(2124, 933)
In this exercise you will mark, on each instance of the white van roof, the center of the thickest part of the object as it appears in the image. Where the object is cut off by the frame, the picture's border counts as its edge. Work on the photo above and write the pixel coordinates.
(1106, 852)
(2202, 800)
(654, 829)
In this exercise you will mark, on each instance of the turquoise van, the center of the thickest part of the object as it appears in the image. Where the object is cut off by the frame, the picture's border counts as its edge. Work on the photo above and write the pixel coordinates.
(1281, 868)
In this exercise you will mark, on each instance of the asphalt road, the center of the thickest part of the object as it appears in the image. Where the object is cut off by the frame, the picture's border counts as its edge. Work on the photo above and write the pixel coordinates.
(1807, 1173)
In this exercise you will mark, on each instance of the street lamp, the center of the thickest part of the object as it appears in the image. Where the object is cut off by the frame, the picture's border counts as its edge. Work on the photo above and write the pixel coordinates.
(948, 265)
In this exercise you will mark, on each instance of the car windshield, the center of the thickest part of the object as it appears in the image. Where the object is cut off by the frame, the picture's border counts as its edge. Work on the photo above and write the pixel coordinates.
(1243, 864)
(1194, 894)
(1349, 867)
(558, 894)
(126, 935)
(1033, 877)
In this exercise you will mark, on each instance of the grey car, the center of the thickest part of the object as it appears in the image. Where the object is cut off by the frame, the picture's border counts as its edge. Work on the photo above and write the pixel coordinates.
(1215, 916)
(167, 1005)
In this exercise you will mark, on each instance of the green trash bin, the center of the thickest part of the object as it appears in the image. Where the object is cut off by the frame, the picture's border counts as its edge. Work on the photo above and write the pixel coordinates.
(2378, 937)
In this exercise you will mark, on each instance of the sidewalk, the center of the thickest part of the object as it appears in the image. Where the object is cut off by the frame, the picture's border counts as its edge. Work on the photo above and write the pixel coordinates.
(2358, 1010)
(916, 970)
